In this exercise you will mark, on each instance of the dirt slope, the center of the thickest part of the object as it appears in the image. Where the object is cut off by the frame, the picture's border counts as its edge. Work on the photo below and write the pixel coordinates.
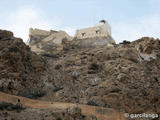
(99, 112)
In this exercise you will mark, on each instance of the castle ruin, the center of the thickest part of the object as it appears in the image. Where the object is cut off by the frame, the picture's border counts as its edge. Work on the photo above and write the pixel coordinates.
(98, 35)
(42, 41)
(50, 41)
(102, 29)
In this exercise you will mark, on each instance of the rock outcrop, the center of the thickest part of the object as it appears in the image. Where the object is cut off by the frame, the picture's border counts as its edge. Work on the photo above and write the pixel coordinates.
(20, 68)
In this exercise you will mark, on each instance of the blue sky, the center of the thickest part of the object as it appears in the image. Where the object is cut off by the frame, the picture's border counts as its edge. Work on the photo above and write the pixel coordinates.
(129, 19)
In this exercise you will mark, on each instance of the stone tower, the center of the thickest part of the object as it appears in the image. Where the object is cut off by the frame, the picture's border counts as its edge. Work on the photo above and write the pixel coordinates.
(99, 34)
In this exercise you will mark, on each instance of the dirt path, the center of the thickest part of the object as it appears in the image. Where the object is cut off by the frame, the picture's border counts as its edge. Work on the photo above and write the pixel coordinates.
(99, 112)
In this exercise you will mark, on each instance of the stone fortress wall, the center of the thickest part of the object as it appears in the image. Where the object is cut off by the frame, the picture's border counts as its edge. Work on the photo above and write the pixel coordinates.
(34, 32)
(43, 35)
(42, 41)
(102, 29)
(98, 35)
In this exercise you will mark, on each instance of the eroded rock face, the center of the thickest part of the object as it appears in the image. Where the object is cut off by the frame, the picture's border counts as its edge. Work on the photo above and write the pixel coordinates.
(19, 67)
(148, 48)
(148, 45)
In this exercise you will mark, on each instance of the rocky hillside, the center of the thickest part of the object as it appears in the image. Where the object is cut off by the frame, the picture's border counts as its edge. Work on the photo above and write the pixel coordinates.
(125, 76)
(45, 114)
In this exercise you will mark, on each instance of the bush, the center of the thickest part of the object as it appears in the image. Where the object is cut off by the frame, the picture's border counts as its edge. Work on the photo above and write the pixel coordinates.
(35, 94)
(10, 106)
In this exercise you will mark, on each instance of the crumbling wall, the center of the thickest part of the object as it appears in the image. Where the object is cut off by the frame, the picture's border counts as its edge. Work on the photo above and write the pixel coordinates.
(47, 42)
(34, 32)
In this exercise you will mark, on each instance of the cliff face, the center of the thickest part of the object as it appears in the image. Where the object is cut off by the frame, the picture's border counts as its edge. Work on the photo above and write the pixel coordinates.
(19, 67)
